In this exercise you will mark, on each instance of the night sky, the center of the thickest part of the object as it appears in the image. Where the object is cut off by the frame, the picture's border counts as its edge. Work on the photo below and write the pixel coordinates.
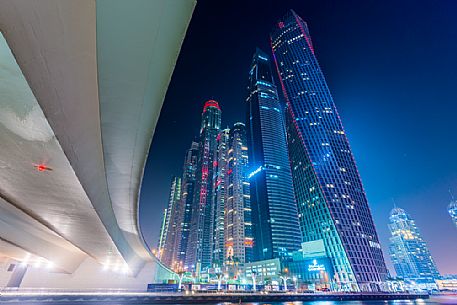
(392, 69)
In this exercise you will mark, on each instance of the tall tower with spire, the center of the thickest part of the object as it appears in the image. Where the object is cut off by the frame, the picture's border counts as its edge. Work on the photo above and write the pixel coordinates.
(274, 210)
(200, 248)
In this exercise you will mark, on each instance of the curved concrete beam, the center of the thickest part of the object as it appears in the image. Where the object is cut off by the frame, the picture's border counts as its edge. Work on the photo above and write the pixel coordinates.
(97, 73)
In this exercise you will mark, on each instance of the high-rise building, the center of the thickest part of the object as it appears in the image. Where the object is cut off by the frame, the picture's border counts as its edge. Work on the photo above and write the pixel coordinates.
(410, 256)
(238, 224)
(331, 200)
(172, 224)
(165, 244)
(187, 196)
(201, 240)
(162, 234)
(275, 227)
(220, 167)
(452, 209)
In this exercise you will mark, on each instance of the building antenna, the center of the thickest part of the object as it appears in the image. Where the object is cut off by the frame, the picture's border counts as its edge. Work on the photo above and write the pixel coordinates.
(452, 195)
(395, 204)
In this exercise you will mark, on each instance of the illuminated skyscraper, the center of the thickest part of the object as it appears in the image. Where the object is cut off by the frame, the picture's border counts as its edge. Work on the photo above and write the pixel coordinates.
(187, 196)
(172, 223)
(220, 168)
(238, 224)
(200, 246)
(453, 211)
(410, 256)
(274, 212)
(331, 201)
(162, 235)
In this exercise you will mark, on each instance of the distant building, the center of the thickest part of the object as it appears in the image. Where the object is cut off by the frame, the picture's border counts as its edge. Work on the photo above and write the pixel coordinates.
(220, 169)
(187, 196)
(200, 248)
(238, 224)
(410, 256)
(162, 234)
(275, 227)
(453, 211)
(172, 224)
(331, 200)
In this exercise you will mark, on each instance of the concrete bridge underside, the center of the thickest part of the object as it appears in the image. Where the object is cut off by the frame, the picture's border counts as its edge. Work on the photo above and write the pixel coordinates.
(81, 88)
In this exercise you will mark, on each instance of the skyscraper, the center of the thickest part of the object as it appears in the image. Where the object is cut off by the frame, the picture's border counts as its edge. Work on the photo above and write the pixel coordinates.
(172, 223)
(220, 168)
(238, 224)
(410, 255)
(187, 196)
(201, 239)
(162, 234)
(274, 211)
(331, 200)
(452, 209)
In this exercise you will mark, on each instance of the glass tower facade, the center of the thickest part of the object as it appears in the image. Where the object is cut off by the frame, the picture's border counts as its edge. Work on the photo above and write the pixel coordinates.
(274, 211)
(187, 196)
(220, 169)
(162, 235)
(238, 224)
(172, 224)
(410, 256)
(331, 201)
(200, 248)
(452, 209)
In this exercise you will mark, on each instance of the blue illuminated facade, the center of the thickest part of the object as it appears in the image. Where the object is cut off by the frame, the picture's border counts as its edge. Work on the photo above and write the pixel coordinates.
(331, 201)
(274, 211)
(410, 256)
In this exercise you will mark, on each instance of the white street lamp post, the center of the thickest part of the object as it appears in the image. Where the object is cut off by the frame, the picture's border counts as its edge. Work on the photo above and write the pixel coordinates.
(254, 274)
(284, 278)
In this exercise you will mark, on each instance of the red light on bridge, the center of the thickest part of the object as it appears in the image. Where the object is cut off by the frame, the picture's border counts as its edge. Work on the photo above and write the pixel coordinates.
(42, 167)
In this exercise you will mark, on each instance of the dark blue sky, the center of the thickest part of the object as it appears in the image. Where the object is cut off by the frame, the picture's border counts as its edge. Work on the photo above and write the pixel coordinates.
(392, 69)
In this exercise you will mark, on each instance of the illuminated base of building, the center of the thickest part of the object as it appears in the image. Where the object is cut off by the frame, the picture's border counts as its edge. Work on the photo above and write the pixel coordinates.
(307, 269)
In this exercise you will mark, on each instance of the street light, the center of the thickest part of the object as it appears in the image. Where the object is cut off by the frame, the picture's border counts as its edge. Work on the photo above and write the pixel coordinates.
(219, 280)
(226, 276)
(254, 275)
(284, 277)
(180, 271)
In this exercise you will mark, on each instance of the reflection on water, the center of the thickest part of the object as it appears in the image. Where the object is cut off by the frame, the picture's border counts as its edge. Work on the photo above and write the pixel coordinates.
(438, 300)
(435, 300)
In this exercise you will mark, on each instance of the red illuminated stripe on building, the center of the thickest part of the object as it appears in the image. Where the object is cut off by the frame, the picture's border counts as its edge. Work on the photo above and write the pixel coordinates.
(211, 103)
